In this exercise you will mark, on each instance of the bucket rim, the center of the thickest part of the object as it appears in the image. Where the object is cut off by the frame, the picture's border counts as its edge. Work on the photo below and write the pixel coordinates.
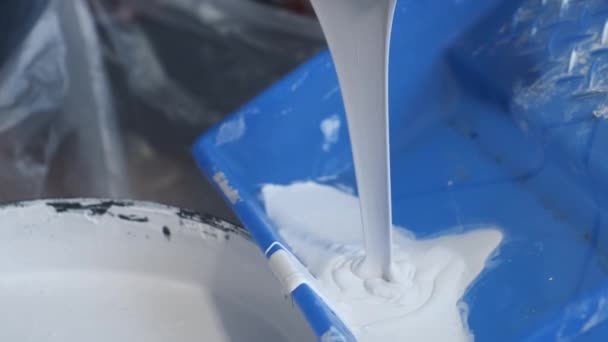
(102, 206)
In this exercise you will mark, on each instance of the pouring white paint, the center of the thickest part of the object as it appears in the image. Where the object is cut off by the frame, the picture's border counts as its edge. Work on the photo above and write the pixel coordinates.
(358, 34)
(410, 293)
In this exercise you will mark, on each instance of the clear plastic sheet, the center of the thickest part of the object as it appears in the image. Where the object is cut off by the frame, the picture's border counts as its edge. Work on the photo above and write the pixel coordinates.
(33, 85)
(104, 98)
(187, 63)
(55, 93)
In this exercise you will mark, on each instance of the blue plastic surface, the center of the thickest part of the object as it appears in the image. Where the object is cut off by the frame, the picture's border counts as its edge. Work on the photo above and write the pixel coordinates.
(499, 116)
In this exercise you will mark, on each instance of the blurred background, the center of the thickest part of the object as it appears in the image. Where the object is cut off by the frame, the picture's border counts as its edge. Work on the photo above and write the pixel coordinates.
(104, 98)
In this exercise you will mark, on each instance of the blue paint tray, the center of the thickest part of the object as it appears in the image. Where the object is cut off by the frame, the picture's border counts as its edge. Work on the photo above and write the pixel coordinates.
(499, 115)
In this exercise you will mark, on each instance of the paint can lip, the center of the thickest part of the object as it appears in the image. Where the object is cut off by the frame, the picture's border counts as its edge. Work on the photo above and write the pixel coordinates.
(103, 206)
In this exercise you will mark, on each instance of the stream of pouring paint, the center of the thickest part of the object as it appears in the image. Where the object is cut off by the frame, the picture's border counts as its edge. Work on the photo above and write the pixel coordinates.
(358, 33)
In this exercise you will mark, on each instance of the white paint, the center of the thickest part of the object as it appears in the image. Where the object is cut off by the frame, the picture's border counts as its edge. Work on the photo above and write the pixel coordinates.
(331, 93)
(231, 131)
(296, 85)
(231, 193)
(65, 277)
(358, 34)
(572, 61)
(422, 303)
(601, 112)
(330, 128)
(599, 317)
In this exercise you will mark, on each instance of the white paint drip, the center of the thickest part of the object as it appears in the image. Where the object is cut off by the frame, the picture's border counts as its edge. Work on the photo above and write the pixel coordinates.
(421, 303)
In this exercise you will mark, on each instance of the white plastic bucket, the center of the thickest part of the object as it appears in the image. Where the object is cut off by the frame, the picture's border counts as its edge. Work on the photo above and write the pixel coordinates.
(92, 270)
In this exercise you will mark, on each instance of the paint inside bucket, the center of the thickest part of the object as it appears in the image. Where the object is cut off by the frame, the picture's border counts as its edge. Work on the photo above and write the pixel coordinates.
(115, 271)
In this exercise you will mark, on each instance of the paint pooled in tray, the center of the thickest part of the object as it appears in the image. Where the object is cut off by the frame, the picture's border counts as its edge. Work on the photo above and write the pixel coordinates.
(424, 300)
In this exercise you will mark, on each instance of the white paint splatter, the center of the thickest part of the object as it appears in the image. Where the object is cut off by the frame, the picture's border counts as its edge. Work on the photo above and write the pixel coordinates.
(331, 130)
(222, 182)
(600, 315)
(333, 91)
(230, 131)
(295, 85)
(601, 112)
